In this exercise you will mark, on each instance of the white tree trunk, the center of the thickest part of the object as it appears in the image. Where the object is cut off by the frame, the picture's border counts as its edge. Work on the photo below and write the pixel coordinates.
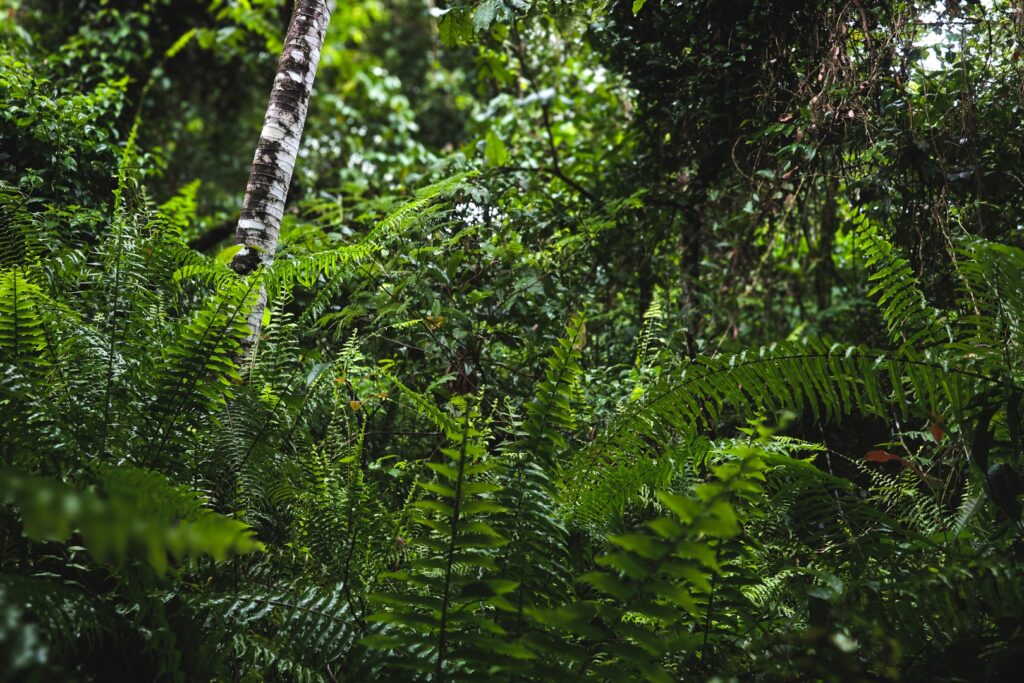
(259, 225)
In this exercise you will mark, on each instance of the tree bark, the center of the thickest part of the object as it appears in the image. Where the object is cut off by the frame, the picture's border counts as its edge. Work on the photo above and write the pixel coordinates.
(259, 225)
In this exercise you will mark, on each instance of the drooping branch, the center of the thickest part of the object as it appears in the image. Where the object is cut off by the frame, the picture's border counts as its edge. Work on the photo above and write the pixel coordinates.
(259, 225)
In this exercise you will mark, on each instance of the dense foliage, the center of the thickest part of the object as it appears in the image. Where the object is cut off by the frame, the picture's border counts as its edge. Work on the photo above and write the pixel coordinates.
(607, 340)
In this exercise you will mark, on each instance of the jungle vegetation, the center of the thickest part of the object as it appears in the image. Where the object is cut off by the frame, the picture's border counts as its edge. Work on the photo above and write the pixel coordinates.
(553, 340)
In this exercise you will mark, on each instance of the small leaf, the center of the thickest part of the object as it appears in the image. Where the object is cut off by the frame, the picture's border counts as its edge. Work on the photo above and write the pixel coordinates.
(881, 456)
(180, 43)
(638, 5)
(226, 254)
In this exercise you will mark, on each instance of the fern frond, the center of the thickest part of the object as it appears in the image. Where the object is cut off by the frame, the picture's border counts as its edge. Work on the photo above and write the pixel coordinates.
(550, 413)
(23, 339)
(141, 516)
(828, 380)
(180, 211)
(398, 219)
(992, 296)
(910, 320)
(42, 620)
(200, 362)
(19, 245)
(971, 501)
(451, 584)
(645, 350)
(306, 632)
(308, 269)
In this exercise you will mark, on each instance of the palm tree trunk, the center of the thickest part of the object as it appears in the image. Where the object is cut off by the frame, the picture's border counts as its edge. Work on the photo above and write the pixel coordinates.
(260, 222)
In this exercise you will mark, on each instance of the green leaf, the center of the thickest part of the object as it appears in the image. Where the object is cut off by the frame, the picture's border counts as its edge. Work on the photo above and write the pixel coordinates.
(485, 14)
(226, 254)
(455, 27)
(495, 152)
(606, 583)
(641, 544)
(180, 43)
(142, 516)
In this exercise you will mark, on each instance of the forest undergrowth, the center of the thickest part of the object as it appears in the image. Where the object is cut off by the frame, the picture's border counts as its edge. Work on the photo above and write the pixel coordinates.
(598, 341)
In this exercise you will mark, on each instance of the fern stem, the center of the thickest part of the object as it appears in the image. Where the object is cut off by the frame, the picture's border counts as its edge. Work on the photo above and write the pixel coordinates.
(119, 212)
(707, 620)
(113, 332)
(517, 535)
(352, 529)
(442, 636)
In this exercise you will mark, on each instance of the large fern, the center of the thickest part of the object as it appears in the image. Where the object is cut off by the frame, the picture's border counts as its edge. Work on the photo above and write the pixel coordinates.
(654, 591)
(440, 618)
(301, 633)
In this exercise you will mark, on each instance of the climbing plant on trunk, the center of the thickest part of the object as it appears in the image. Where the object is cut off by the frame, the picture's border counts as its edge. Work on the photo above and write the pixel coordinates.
(260, 222)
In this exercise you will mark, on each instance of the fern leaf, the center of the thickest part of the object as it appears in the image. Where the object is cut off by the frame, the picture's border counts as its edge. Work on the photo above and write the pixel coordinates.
(142, 516)
(828, 380)
(22, 337)
(910, 320)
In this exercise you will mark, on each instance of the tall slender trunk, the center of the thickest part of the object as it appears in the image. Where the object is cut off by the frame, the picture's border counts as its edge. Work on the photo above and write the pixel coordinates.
(259, 225)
